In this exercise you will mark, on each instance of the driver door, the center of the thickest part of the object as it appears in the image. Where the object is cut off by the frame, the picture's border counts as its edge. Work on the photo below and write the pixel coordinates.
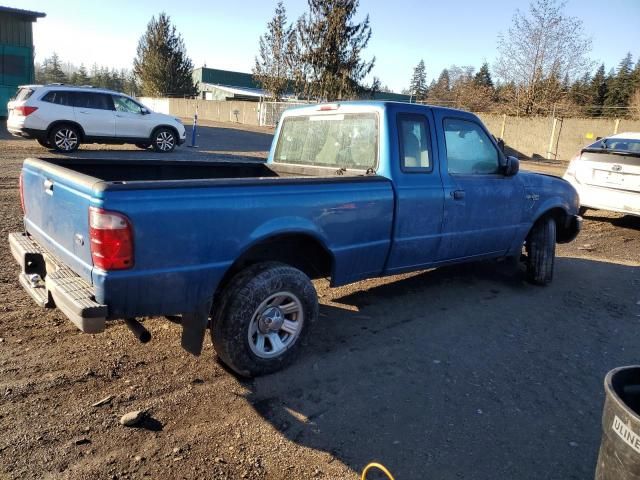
(482, 206)
(131, 122)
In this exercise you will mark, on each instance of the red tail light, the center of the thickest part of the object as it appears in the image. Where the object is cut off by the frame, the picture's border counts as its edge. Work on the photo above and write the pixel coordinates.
(24, 111)
(111, 240)
(21, 186)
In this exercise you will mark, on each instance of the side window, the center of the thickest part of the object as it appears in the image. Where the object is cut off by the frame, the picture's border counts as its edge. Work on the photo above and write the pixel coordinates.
(96, 101)
(413, 133)
(469, 149)
(59, 97)
(124, 104)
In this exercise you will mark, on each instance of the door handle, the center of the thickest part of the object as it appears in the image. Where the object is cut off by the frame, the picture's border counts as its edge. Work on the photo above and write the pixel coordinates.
(119, 116)
(457, 194)
(83, 112)
(48, 187)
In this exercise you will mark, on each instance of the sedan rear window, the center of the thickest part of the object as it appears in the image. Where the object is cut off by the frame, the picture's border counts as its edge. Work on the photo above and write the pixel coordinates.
(329, 140)
(631, 145)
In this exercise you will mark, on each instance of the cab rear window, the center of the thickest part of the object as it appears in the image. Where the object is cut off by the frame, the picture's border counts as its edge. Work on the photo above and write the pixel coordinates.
(329, 140)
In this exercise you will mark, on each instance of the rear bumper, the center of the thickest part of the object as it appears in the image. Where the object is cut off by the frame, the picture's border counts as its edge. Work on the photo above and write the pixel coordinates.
(26, 132)
(51, 283)
(604, 198)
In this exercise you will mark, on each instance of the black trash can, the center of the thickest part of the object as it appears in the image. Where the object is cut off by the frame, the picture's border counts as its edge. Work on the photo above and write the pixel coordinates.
(619, 457)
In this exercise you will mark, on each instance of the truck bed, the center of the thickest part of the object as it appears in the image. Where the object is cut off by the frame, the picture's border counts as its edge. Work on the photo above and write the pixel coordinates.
(120, 171)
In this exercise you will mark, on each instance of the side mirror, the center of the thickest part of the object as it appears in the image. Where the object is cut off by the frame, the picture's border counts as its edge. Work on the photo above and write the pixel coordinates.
(511, 166)
(145, 111)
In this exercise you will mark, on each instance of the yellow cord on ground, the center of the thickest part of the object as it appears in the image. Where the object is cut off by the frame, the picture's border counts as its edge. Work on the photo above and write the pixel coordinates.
(379, 467)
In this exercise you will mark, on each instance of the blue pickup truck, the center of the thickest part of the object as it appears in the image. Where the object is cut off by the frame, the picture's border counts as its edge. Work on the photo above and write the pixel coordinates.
(350, 191)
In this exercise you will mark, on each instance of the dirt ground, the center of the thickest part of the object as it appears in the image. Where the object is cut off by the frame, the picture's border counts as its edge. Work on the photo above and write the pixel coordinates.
(458, 373)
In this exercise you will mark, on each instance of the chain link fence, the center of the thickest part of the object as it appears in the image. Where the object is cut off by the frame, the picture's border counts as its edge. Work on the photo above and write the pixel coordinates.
(270, 112)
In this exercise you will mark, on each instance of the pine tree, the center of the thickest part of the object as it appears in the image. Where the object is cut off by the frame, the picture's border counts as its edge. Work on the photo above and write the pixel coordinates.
(272, 65)
(418, 85)
(597, 91)
(52, 70)
(440, 91)
(161, 63)
(483, 77)
(621, 86)
(331, 47)
(80, 77)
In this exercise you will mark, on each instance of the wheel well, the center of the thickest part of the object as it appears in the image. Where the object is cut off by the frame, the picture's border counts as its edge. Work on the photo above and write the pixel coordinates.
(300, 251)
(560, 216)
(66, 122)
(169, 127)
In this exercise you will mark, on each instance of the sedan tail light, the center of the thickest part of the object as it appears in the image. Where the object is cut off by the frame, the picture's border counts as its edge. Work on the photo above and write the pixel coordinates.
(24, 111)
(111, 239)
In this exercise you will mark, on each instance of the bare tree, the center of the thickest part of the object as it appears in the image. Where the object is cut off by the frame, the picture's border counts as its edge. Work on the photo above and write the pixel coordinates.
(540, 48)
(272, 66)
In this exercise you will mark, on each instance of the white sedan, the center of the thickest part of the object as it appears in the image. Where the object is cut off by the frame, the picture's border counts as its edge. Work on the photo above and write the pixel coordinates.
(606, 174)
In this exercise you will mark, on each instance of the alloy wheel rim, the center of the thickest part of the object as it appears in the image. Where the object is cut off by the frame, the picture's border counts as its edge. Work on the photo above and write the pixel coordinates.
(66, 139)
(165, 141)
(276, 325)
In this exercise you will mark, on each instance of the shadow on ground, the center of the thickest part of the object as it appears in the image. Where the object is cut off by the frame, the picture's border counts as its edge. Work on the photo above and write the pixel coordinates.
(626, 221)
(463, 372)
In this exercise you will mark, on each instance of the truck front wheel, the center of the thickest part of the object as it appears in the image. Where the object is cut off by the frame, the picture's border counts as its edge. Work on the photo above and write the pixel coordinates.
(261, 317)
(541, 251)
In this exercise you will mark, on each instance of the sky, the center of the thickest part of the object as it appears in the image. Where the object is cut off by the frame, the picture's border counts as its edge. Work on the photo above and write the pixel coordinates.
(224, 34)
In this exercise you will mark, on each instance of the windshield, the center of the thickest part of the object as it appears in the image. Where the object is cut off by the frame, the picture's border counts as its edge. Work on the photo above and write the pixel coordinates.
(329, 140)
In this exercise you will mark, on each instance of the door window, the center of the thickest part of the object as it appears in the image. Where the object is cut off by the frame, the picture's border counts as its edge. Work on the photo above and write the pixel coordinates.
(470, 151)
(96, 101)
(414, 143)
(124, 104)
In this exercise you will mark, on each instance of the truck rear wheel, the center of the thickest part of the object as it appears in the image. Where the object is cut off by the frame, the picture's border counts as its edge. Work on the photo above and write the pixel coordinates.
(261, 318)
(541, 251)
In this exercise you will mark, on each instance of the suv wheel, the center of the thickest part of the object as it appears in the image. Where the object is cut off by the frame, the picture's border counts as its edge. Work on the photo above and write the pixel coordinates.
(64, 138)
(164, 140)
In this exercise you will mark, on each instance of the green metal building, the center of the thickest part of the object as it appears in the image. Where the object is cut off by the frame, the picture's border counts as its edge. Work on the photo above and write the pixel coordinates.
(216, 84)
(16, 51)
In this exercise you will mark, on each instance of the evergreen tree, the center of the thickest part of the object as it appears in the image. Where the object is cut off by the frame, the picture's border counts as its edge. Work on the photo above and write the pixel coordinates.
(440, 91)
(598, 90)
(53, 71)
(621, 85)
(80, 76)
(272, 66)
(418, 85)
(161, 63)
(331, 46)
(483, 77)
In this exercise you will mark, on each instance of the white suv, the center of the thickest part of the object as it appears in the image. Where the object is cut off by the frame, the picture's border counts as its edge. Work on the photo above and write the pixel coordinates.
(62, 117)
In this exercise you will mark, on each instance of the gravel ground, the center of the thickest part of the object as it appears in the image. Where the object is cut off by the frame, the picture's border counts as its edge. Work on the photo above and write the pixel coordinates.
(458, 373)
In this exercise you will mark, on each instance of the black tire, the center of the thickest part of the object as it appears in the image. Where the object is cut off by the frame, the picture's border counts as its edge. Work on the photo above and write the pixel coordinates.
(64, 138)
(43, 142)
(541, 251)
(239, 307)
(143, 146)
(164, 140)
